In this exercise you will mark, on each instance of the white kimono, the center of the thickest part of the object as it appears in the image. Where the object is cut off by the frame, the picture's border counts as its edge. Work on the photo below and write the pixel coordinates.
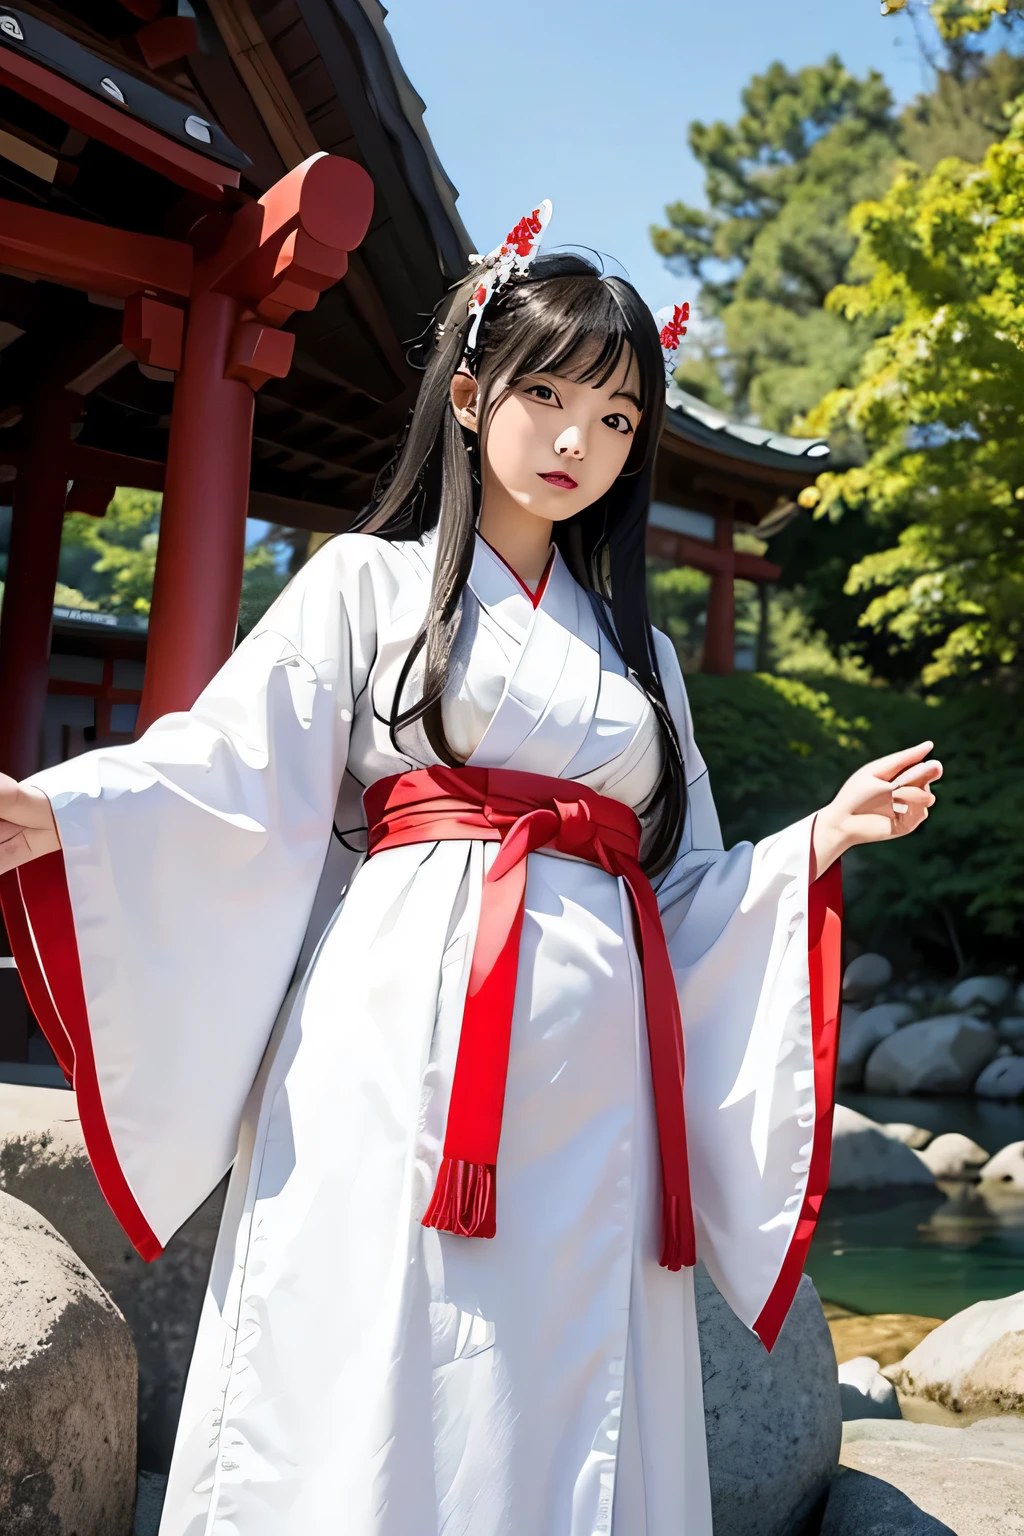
(356, 1372)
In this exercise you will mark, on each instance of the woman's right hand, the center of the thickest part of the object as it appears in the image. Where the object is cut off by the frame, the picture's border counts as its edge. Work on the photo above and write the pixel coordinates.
(27, 827)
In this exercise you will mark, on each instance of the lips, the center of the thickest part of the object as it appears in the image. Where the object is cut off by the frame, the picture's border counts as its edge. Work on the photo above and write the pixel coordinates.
(563, 481)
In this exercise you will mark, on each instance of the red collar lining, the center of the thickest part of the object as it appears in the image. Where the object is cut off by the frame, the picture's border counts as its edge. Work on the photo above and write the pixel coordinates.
(535, 597)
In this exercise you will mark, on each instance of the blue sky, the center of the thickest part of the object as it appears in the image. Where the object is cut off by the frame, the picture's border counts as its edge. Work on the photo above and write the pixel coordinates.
(588, 101)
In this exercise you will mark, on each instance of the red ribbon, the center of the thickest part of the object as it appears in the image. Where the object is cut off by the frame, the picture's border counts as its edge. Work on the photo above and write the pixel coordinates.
(526, 812)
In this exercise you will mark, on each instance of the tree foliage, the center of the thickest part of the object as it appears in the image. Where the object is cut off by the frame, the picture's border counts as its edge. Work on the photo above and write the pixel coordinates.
(938, 407)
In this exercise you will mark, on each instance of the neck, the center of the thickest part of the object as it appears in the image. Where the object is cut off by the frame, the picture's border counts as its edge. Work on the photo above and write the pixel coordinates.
(521, 539)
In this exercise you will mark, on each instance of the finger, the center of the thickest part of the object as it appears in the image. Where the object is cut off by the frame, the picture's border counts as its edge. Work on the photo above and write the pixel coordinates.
(888, 767)
(909, 794)
(924, 773)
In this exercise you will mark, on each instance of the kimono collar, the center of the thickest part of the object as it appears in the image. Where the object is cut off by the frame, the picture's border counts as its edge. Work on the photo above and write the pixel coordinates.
(497, 587)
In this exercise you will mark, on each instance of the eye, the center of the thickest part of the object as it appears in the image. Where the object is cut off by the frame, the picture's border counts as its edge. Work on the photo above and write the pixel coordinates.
(542, 392)
(618, 423)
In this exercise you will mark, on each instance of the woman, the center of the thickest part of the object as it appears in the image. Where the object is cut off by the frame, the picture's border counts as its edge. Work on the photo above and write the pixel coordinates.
(408, 1331)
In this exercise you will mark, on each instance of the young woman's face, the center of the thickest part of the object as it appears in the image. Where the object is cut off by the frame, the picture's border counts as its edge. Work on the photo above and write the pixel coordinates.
(554, 445)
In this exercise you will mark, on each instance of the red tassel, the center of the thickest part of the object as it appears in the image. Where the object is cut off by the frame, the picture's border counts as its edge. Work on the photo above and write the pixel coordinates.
(678, 1247)
(464, 1199)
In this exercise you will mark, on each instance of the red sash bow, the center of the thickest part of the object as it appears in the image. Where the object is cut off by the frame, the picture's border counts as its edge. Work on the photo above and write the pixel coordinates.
(526, 812)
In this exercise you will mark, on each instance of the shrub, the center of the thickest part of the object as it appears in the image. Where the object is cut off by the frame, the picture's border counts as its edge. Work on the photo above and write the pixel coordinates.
(951, 895)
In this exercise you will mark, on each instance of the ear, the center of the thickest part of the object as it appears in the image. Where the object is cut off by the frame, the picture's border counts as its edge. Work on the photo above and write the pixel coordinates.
(464, 394)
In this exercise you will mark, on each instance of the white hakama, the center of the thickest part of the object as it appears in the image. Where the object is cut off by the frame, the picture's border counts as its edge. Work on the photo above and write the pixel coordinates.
(355, 1371)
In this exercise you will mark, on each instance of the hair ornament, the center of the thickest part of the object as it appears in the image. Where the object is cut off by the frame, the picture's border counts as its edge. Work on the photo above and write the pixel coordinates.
(513, 258)
(672, 328)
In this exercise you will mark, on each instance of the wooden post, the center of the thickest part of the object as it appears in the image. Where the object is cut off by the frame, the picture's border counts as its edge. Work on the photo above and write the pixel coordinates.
(720, 633)
(198, 579)
(25, 623)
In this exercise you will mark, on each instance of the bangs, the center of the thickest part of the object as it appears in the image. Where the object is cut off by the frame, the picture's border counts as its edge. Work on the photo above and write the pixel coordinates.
(577, 325)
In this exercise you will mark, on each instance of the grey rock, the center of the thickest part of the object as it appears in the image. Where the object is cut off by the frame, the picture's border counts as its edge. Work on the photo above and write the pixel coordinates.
(67, 1389)
(916, 1136)
(1007, 1167)
(942, 1055)
(43, 1162)
(861, 1032)
(864, 1393)
(149, 1504)
(952, 1156)
(990, 990)
(972, 1363)
(1001, 1079)
(966, 1481)
(1018, 998)
(1011, 1030)
(861, 1505)
(865, 1157)
(865, 976)
(773, 1420)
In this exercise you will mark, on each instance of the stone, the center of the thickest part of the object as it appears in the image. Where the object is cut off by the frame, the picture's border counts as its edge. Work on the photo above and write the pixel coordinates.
(68, 1379)
(952, 1156)
(859, 1035)
(864, 1393)
(43, 1162)
(916, 1136)
(149, 1503)
(773, 1421)
(909, 1479)
(1007, 1167)
(973, 1363)
(1011, 1030)
(1001, 1079)
(1018, 998)
(942, 1055)
(990, 990)
(865, 976)
(883, 1336)
(864, 1157)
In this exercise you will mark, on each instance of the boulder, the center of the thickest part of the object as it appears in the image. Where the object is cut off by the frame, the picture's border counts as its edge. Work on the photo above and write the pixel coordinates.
(1007, 1167)
(908, 1479)
(916, 1136)
(773, 1421)
(1001, 1079)
(861, 1032)
(953, 1156)
(992, 991)
(67, 1389)
(1011, 1030)
(865, 976)
(864, 1157)
(942, 1055)
(974, 1363)
(883, 1336)
(864, 1393)
(43, 1162)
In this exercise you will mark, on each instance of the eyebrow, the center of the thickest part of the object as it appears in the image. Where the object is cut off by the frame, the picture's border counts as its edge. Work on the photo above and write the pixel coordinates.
(625, 394)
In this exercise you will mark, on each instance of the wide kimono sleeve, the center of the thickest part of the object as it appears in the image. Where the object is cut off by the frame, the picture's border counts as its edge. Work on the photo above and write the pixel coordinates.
(755, 946)
(156, 948)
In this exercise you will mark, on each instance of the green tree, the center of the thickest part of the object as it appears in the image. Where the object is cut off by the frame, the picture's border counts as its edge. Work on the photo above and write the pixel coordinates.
(774, 239)
(938, 408)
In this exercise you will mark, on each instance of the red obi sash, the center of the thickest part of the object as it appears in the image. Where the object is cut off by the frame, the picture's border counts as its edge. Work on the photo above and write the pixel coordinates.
(526, 812)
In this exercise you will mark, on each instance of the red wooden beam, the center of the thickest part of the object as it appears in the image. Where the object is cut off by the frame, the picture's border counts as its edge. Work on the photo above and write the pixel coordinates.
(115, 128)
(91, 257)
(84, 463)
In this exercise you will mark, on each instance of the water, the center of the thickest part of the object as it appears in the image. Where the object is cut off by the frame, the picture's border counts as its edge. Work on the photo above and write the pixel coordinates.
(929, 1253)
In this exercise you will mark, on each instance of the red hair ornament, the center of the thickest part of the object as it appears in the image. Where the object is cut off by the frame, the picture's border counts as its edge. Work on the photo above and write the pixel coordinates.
(512, 258)
(672, 328)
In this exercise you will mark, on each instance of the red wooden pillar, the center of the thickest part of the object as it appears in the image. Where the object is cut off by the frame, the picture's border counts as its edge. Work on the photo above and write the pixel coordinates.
(720, 634)
(198, 578)
(40, 491)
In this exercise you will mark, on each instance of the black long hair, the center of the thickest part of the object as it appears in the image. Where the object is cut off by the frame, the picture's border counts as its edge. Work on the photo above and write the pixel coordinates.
(564, 318)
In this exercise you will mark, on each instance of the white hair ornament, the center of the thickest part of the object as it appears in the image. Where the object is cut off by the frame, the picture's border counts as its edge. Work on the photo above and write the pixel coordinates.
(513, 258)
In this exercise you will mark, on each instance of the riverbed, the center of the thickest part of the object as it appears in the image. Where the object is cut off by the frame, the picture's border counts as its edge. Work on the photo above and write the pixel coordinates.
(929, 1253)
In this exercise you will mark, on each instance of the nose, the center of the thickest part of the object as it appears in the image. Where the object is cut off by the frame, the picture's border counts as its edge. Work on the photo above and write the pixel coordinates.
(569, 444)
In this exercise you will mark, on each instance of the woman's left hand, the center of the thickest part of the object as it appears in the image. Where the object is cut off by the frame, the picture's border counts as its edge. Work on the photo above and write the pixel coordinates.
(884, 799)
